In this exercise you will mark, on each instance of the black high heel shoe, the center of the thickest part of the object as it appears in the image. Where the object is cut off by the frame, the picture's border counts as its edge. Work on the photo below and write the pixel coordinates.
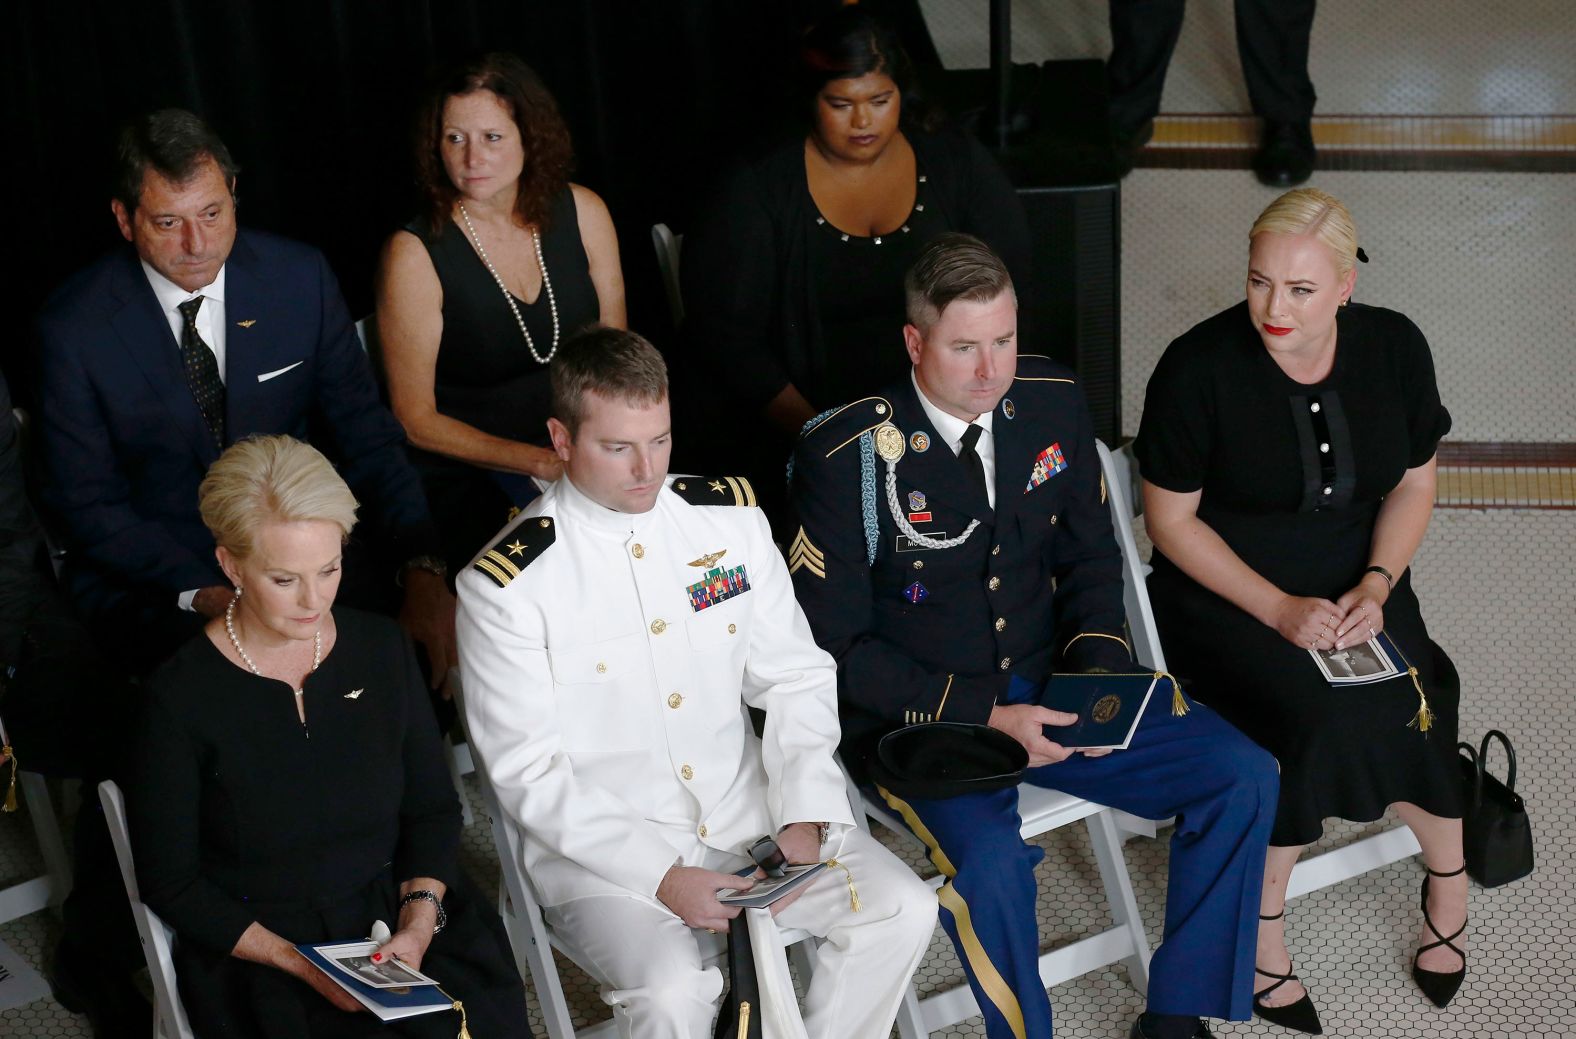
(1439, 986)
(1300, 1016)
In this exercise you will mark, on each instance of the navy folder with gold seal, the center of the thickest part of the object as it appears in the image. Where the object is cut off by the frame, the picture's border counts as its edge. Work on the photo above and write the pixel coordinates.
(1108, 706)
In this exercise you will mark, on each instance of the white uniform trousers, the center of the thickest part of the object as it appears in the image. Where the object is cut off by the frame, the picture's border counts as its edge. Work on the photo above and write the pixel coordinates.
(649, 966)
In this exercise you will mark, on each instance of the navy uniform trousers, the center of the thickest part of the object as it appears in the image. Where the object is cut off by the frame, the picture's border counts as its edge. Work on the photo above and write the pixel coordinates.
(1221, 787)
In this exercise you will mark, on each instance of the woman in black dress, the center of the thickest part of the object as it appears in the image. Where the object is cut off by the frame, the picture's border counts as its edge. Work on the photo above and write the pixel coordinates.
(1287, 449)
(474, 297)
(793, 281)
(289, 785)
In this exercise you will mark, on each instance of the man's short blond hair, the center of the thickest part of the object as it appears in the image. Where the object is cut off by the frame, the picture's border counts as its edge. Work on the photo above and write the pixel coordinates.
(1311, 211)
(271, 479)
(611, 362)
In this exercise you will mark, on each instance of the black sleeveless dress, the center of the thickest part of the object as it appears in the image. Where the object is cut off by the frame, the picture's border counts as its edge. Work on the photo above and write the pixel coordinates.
(485, 375)
(1292, 477)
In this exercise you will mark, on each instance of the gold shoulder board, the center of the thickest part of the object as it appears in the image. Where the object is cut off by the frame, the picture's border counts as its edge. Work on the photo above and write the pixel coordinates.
(516, 550)
(714, 490)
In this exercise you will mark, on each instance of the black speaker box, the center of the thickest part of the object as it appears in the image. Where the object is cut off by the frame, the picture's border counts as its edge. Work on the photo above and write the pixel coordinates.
(1072, 311)
(1060, 157)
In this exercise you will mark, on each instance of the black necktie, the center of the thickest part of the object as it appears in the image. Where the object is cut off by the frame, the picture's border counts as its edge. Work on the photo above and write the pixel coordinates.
(971, 461)
(202, 372)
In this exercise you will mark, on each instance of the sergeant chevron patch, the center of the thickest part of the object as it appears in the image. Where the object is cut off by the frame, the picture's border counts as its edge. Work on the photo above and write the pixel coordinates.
(803, 555)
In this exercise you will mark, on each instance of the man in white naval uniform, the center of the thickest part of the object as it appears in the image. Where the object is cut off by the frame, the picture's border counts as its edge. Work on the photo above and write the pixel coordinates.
(609, 641)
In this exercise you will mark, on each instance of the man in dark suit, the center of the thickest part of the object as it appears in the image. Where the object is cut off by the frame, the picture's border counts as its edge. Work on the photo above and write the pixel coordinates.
(158, 356)
(955, 548)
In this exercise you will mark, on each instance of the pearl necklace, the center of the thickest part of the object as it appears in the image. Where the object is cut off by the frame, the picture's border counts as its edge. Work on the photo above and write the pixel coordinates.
(229, 627)
(547, 287)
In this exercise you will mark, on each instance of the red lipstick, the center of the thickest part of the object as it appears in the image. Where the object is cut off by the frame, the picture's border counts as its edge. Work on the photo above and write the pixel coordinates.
(1276, 330)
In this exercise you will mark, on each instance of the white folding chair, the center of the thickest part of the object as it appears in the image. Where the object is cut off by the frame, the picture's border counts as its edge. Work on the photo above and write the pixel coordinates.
(533, 942)
(50, 888)
(169, 1015)
(1311, 873)
(668, 246)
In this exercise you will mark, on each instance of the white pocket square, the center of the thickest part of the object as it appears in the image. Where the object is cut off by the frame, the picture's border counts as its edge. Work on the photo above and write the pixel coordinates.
(278, 371)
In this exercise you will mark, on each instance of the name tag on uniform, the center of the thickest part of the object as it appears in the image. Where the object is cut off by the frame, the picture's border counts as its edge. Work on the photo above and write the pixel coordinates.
(717, 586)
(906, 543)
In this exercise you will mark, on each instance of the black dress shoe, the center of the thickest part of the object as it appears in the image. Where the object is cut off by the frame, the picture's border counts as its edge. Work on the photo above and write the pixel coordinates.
(1439, 986)
(1128, 143)
(112, 1004)
(1140, 1032)
(1286, 155)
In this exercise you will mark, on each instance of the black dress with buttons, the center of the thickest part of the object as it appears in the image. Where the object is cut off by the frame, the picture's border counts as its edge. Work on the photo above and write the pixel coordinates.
(240, 814)
(1292, 477)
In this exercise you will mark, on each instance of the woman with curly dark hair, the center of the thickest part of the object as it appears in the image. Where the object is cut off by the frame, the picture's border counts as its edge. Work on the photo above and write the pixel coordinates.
(474, 297)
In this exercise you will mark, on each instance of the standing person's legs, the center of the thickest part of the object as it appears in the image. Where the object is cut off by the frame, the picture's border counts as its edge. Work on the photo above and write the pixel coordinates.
(867, 958)
(987, 903)
(645, 960)
(1222, 790)
(1272, 41)
(1143, 36)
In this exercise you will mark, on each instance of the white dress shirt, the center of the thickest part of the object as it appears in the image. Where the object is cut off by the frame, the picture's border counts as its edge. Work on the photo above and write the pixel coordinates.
(210, 325)
(951, 429)
(210, 316)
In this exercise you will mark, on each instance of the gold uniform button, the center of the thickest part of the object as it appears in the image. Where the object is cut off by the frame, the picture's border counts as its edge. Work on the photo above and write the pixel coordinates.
(674, 699)
(1053, 519)
(601, 668)
(681, 485)
(919, 564)
(638, 552)
(689, 773)
(733, 629)
(1006, 662)
(702, 830)
(996, 551)
(994, 583)
(658, 626)
(1001, 623)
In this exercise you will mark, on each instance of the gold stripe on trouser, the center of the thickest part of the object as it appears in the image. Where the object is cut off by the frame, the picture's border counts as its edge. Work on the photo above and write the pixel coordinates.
(994, 985)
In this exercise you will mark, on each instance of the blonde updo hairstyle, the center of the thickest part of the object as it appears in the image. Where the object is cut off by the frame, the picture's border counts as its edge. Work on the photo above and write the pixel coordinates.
(271, 479)
(1311, 211)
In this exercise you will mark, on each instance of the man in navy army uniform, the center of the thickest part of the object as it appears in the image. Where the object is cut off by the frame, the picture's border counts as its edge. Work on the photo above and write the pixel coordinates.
(609, 641)
(954, 550)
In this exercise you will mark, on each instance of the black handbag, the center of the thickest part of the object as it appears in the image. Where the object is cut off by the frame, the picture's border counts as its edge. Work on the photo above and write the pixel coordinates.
(1495, 831)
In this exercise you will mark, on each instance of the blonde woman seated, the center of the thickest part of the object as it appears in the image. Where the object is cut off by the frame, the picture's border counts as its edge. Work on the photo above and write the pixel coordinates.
(1287, 449)
(289, 785)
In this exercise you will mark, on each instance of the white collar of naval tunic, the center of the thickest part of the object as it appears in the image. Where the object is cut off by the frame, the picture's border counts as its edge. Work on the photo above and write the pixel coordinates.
(575, 507)
(210, 316)
(950, 428)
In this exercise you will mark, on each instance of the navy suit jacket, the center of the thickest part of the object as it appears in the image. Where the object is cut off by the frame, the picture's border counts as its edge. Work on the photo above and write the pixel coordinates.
(924, 634)
(125, 446)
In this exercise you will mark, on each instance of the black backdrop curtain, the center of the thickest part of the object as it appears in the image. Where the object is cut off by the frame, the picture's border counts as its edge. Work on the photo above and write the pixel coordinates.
(314, 99)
